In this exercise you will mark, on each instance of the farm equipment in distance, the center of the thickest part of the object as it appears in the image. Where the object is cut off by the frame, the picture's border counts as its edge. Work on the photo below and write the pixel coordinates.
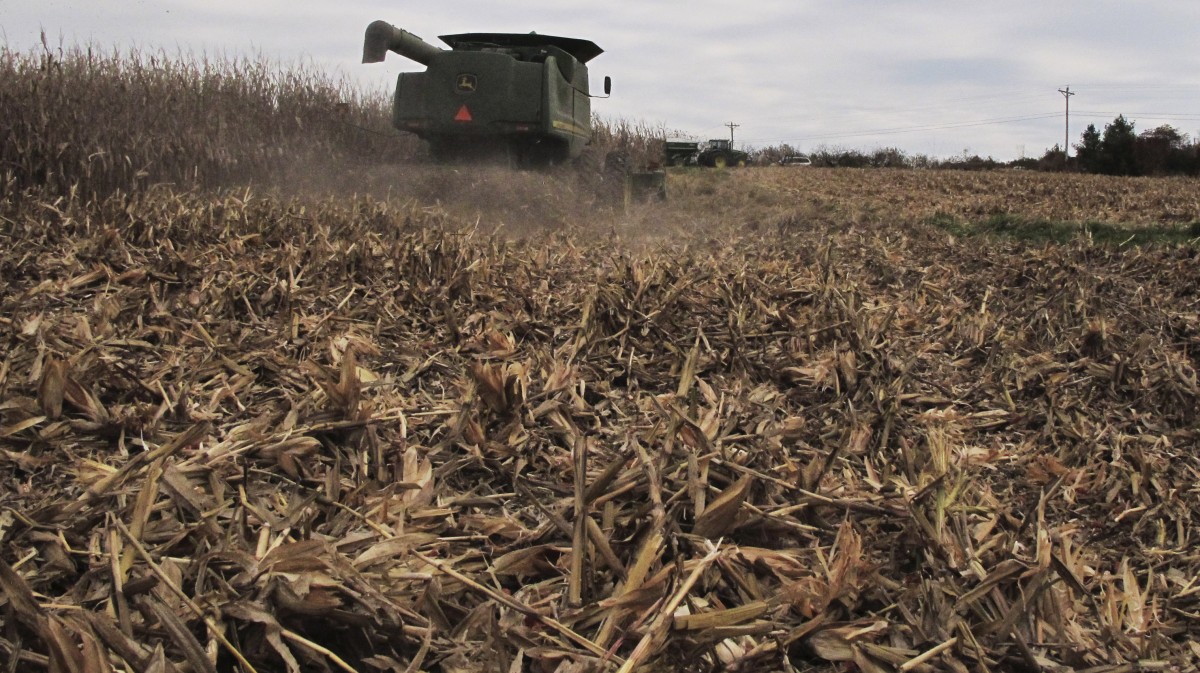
(520, 97)
(717, 153)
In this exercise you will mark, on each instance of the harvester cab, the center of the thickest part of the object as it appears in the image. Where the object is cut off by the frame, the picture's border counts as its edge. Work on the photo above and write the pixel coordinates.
(522, 97)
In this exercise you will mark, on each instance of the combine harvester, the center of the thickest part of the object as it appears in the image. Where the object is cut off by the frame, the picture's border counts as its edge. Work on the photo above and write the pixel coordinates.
(520, 98)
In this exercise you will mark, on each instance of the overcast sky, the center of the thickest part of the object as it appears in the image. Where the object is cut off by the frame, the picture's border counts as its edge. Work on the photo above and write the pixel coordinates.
(938, 77)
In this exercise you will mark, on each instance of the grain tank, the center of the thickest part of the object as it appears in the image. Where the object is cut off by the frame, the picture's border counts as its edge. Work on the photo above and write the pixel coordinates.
(522, 97)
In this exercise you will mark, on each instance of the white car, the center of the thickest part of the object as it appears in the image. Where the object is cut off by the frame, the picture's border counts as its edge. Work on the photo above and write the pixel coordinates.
(795, 160)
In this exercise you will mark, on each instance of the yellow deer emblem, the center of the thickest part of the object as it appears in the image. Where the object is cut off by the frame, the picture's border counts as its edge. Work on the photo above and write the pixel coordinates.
(465, 83)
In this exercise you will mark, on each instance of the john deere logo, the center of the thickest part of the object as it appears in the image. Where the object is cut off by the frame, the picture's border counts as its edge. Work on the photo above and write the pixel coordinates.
(466, 83)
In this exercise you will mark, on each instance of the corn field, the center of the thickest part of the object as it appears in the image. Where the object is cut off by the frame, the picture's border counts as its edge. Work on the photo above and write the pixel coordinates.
(100, 121)
(469, 420)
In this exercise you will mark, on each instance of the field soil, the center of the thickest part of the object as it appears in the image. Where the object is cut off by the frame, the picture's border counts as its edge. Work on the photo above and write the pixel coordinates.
(467, 420)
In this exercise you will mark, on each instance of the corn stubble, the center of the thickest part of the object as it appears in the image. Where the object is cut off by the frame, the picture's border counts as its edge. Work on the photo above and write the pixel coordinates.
(779, 432)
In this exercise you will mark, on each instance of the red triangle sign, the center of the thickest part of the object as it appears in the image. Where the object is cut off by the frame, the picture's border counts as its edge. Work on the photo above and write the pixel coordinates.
(464, 115)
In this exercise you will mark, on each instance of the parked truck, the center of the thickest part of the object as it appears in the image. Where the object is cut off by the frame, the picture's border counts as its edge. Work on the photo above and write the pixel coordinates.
(523, 97)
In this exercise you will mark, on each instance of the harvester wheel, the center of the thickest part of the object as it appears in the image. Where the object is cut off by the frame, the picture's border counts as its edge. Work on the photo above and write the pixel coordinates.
(741, 163)
(720, 161)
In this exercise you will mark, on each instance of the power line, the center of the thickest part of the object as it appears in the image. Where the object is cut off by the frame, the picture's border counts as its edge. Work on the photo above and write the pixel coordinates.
(948, 103)
(917, 129)
(1137, 87)
(1004, 98)
(1177, 115)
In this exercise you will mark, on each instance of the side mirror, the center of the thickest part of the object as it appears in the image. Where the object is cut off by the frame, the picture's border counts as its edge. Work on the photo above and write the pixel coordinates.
(607, 85)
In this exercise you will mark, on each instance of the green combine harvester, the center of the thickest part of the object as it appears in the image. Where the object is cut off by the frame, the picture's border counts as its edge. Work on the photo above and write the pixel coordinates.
(523, 98)
(718, 153)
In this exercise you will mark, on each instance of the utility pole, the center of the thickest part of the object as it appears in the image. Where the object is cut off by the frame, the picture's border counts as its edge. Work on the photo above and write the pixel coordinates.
(732, 126)
(1067, 93)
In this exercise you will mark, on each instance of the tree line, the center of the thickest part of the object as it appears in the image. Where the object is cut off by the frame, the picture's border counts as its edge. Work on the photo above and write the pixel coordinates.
(882, 157)
(1120, 150)
(1117, 150)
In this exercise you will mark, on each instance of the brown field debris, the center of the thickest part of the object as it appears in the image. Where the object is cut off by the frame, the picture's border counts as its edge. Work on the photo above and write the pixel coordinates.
(882, 196)
(248, 433)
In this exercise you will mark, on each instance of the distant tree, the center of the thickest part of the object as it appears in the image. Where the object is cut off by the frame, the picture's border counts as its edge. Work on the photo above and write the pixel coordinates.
(1087, 152)
(1117, 148)
(839, 157)
(1188, 158)
(1024, 163)
(889, 157)
(772, 153)
(923, 161)
(1055, 159)
(1161, 150)
(970, 162)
